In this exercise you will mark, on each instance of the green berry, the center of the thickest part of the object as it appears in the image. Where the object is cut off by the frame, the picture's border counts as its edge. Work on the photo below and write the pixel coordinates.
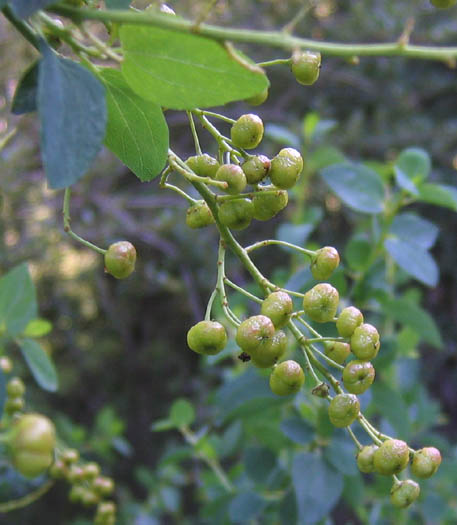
(234, 176)
(76, 493)
(236, 214)
(106, 509)
(425, 462)
(15, 387)
(404, 493)
(324, 263)
(343, 410)
(267, 204)
(268, 355)
(256, 168)
(287, 378)
(443, 4)
(365, 458)
(258, 99)
(254, 333)
(203, 165)
(32, 444)
(6, 365)
(103, 486)
(391, 457)
(247, 132)
(348, 320)
(70, 456)
(89, 498)
(14, 404)
(120, 259)
(337, 351)
(278, 306)
(91, 471)
(365, 342)
(306, 67)
(58, 469)
(75, 474)
(207, 337)
(358, 376)
(286, 168)
(199, 215)
(321, 302)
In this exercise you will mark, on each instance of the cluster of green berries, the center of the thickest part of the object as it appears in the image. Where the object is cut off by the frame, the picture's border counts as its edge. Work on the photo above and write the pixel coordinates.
(267, 201)
(88, 486)
(15, 390)
(120, 259)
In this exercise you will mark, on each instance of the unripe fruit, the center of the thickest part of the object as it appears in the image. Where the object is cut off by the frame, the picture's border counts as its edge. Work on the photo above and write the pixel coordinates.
(267, 355)
(14, 404)
(106, 508)
(247, 132)
(404, 493)
(254, 333)
(234, 176)
(103, 486)
(91, 471)
(120, 259)
(443, 4)
(75, 474)
(267, 204)
(236, 214)
(365, 458)
(31, 445)
(89, 498)
(324, 263)
(70, 456)
(348, 320)
(425, 462)
(199, 215)
(57, 469)
(286, 168)
(203, 165)
(15, 387)
(358, 376)
(256, 168)
(287, 378)
(258, 99)
(207, 337)
(306, 67)
(321, 302)
(76, 493)
(343, 410)
(391, 457)
(6, 365)
(337, 351)
(278, 306)
(365, 342)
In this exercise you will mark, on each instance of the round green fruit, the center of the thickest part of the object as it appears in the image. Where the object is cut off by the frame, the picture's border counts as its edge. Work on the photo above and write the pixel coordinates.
(321, 302)
(365, 458)
(256, 168)
(391, 457)
(443, 4)
(425, 462)
(337, 351)
(404, 493)
(236, 214)
(103, 486)
(287, 378)
(247, 131)
(324, 263)
(14, 404)
(306, 67)
(267, 204)
(358, 376)
(207, 337)
(120, 259)
(199, 215)
(15, 387)
(91, 471)
(203, 165)
(348, 320)
(268, 355)
(6, 366)
(365, 342)
(258, 99)
(234, 176)
(286, 168)
(343, 410)
(278, 306)
(254, 334)
(70, 456)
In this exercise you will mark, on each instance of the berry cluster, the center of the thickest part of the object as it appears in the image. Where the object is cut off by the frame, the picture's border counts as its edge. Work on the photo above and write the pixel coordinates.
(15, 390)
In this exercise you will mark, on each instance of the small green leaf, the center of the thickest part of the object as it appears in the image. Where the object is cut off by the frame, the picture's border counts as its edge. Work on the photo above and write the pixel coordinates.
(162, 424)
(309, 124)
(357, 252)
(340, 453)
(182, 413)
(37, 328)
(414, 260)
(245, 507)
(411, 227)
(25, 96)
(324, 156)
(357, 186)
(412, 167)
(17, 300)
(297, 430)
(259, 463)
(281, 135)
(25, 8)
(392, 406)
(72, 109)
(439, 194)
(185, 71)
(40, 364)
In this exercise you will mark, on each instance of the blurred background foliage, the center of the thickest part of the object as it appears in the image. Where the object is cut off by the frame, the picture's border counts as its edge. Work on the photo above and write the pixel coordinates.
(120, 346)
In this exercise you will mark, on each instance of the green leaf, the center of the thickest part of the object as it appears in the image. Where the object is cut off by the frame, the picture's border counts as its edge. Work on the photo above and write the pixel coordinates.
(297, 430)
(317, 487)
(162, 425)
(245, 507)
(117, 4)
(40, 364)
(439, 194)
(409, 314)
(411, 227)
(412, 167)
(414, 260)
(25, 8)
(391, 405)
(72, 108)
(309, 124)
(185, 71)
(341, 453)
(136, 130)
(25, 96)
(3, 394)
(182, 413)
(37, 328)
(357, 252)
(259, 463)
(281, 135)
(357, 186)
(17, 300)
(324, 156)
